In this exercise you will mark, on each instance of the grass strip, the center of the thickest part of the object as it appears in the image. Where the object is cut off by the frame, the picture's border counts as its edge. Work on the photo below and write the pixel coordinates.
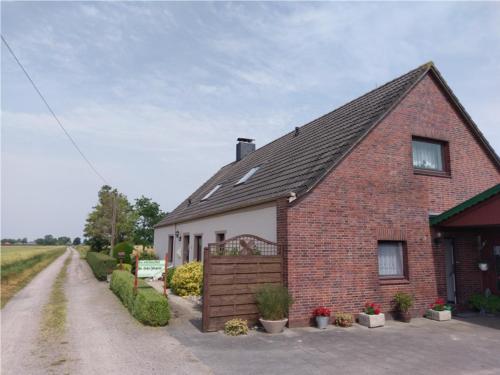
(54, 312)
(16, 275)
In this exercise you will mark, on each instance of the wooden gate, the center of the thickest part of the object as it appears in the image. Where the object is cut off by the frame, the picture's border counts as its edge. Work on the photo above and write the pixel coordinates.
(233, 270)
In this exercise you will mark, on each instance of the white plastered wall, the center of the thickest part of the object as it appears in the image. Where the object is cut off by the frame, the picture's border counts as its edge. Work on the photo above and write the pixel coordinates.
(259, 221)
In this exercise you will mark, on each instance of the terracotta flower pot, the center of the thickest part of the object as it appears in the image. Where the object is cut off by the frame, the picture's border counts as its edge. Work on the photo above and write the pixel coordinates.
(273, 326)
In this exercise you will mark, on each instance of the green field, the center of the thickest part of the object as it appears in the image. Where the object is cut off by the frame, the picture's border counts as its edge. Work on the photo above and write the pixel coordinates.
(20, 264)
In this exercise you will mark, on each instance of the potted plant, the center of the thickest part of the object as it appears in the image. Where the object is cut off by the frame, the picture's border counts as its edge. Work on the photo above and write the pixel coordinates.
(371, 316)
(343, 319)
(322, 315)
(439, 310)
(403, 302)
(273, 302)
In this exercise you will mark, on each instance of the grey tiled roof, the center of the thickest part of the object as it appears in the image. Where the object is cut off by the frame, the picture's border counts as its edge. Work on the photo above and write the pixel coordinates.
(295, 163)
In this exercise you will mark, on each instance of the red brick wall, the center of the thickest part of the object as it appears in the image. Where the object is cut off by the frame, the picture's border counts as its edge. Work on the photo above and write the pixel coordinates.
(373, 195)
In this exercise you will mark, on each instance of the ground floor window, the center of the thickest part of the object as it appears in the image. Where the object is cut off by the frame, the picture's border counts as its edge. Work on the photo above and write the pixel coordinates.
(391, 259)
(171, 249)
(185, 249)
(198, 247)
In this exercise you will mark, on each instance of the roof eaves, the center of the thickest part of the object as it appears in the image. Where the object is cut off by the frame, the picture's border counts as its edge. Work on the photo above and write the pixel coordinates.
(195, 216)
(481, 197)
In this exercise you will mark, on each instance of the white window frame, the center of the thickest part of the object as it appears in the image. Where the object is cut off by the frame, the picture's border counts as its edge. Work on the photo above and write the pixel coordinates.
(441, 163)
(400, 268)
(247, 175)
(211, 192)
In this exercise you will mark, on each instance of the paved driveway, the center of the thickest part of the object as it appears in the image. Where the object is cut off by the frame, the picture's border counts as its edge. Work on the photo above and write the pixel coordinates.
(421, 347)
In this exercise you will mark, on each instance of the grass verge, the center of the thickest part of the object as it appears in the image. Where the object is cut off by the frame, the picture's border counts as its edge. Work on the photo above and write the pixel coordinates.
(54, 312)
(20, 264)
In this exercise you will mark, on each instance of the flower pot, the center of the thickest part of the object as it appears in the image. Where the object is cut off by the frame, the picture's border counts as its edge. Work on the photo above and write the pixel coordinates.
(371, 321)
(273, 326)
(438, 315)
(404, 316)
(322, 321)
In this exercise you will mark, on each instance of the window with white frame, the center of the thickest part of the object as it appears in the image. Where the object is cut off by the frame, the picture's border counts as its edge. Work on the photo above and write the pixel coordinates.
(211, 192)
(428, 154)
(391, 259)
(249, 174)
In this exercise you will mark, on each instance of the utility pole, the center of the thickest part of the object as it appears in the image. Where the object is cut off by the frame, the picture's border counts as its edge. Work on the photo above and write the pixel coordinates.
(113, 223)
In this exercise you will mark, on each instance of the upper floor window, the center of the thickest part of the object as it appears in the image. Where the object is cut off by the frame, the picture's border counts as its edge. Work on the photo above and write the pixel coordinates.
(429, 155)
(249, 174)
(211, 192)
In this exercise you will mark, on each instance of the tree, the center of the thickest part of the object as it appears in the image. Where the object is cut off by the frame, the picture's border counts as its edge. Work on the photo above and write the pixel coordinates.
(148, 213)
(77, 241)
(49, 239)
(98, 227)
(63, 240)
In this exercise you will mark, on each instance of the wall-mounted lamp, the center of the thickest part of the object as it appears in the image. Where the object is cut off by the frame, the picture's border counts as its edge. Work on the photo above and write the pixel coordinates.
(438, 236)
(177, 233)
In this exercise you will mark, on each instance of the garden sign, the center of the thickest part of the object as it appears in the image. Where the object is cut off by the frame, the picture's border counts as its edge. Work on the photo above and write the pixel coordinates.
(151, 268)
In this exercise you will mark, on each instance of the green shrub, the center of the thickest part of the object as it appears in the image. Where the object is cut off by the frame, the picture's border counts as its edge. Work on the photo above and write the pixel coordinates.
(344, 319)
(236, 327)
(402, 301)
(147, 305)
(101, 264)
(170, 274)
(151, 308)
(126, 267)
(127, 248)
(273, 302)
(188, 279)
(490, 304)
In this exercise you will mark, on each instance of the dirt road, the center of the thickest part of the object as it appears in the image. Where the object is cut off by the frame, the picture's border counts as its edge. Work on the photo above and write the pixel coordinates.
(101, 336)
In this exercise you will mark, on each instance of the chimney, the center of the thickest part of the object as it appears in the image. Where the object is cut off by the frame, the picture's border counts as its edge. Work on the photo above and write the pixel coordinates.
(244, 147)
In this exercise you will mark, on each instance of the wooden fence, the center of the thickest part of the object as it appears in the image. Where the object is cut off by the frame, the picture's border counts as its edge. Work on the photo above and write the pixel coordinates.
(233, 270)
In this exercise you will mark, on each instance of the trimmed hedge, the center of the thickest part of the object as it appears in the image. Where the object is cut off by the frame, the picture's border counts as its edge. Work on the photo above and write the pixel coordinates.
(126, 267)
(147, 305)
(101, 264)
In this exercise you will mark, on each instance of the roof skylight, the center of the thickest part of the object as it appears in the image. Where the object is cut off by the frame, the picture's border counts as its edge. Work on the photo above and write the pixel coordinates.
(211, 192)
(249, 174)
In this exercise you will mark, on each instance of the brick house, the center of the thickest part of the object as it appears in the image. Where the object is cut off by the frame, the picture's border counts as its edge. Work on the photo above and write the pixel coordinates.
(350, 196)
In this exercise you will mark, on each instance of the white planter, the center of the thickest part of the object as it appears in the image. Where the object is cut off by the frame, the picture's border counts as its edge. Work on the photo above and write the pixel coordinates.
(371, 321)
(438, 315)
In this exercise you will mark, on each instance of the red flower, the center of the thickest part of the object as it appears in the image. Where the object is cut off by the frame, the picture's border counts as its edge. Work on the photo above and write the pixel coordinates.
(371, 308)
(321, 311)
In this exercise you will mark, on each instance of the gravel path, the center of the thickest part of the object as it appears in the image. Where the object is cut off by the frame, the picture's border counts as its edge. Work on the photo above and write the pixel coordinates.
(101, 336)
(21, 351)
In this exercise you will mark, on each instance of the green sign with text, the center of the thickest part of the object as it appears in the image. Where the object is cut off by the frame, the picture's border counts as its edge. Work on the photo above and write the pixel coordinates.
(151, 268)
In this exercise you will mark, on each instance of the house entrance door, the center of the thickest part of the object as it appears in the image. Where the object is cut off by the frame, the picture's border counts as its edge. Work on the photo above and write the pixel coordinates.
(450, 271)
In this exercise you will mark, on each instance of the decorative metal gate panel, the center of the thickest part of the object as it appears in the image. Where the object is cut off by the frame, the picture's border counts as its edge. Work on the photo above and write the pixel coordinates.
(233, 270)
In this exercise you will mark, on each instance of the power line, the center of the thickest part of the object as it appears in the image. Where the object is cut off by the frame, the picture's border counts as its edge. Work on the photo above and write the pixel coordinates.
(53, 113)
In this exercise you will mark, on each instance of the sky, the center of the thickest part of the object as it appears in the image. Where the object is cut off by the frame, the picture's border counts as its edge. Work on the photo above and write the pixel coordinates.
(155, 94)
